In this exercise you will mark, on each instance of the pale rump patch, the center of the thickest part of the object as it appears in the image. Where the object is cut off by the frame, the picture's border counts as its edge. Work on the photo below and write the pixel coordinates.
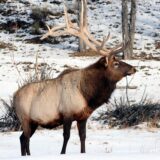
(22, 101)
(44, 107)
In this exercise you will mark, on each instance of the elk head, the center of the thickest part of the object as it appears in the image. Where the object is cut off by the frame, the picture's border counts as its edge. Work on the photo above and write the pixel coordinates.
(116, 69)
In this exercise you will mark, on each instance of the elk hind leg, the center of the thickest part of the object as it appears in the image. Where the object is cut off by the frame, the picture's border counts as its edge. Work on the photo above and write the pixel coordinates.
(28, 131)
(23, 144)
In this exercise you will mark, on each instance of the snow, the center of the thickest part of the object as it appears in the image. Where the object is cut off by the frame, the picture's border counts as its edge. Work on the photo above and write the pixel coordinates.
(101, 142)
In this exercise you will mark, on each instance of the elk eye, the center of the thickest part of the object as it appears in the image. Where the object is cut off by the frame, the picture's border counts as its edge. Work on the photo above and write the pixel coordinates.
(116, 64)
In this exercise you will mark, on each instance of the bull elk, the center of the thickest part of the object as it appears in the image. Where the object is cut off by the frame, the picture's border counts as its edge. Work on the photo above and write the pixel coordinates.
(73, 95)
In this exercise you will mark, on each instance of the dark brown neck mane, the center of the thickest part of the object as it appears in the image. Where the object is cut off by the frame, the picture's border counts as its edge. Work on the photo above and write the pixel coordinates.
(95, 85)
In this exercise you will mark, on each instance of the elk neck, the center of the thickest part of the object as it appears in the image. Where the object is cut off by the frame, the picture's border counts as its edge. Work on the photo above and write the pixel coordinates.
(95, 85)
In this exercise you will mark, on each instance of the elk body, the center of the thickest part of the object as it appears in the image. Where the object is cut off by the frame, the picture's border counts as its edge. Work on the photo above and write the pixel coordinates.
(72, 96)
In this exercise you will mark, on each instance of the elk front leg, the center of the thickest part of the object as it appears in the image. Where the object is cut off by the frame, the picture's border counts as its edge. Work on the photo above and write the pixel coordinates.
(82, 133)
(66, 134)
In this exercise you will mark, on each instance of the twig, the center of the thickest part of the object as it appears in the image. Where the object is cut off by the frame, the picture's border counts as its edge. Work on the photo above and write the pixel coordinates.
(36, 66)
(127, 91)
(16, 67)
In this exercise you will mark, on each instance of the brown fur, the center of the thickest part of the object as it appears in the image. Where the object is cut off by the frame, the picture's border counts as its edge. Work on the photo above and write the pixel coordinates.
(84, 114)
(101, 81)
(67, 71)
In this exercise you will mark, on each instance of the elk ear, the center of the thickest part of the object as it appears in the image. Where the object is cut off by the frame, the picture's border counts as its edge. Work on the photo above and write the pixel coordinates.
(106, 63)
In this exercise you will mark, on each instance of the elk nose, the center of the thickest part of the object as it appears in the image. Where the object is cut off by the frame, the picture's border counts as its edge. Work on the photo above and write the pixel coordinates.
(134, 70)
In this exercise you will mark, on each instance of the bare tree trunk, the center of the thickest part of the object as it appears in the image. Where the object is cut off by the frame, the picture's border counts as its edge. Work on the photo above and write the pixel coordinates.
(128, 27)
(132, 25)
(82, 45)
(125, 31)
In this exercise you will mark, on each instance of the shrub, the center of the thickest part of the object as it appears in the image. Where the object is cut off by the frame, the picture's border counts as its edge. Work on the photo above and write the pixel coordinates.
(39, 14)
(125, 115)
(9, 121)
(3, 1)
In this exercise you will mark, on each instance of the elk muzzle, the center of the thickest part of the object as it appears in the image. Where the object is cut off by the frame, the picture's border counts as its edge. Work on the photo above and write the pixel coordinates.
(131, 71)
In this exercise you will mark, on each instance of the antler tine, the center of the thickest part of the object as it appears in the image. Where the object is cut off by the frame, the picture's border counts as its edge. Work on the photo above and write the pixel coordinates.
(82, 16)
(69, 24)
(66, 15)
(105, 39)
(117, 49)
(52, 30)
(85, 13)
(47, 34)
(49, 29)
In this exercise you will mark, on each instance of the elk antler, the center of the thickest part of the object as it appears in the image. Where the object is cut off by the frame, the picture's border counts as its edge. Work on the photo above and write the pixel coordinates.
(82, 32)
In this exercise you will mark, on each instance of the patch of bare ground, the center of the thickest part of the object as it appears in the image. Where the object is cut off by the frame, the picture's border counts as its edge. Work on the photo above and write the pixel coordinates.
(88, 52)
(157, 45)
(144, 56)
(9, 46)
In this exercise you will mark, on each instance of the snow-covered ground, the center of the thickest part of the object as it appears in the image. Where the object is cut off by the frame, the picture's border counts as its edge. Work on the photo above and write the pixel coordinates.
(100, 144)
(17, 63)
